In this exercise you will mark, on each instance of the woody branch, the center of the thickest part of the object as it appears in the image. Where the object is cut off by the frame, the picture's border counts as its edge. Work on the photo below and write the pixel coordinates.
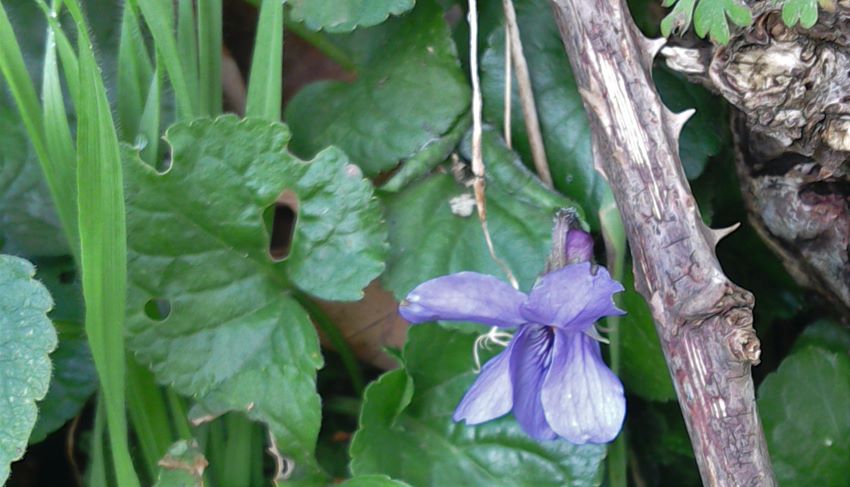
(704, 321)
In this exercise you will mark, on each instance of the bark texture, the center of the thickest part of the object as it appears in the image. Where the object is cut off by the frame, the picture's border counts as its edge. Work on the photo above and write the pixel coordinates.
(704, 321)
(791, 89)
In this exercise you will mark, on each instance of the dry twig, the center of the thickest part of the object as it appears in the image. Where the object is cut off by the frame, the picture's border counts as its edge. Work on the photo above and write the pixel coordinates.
(513, 44)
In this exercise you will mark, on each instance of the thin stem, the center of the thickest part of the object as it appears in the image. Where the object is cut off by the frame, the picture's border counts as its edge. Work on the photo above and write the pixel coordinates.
(320, 42)
(477, 154)
(240, 435)
(508, 88)
(178, 414)
(526, 95)
(614, 236)
(96, 474)
(349, 360)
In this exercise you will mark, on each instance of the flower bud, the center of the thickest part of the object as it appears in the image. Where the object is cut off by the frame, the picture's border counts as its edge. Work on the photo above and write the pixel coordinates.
(578, 246)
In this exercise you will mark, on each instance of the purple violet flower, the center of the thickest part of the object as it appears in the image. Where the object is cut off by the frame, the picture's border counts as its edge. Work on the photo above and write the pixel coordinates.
(551, 374)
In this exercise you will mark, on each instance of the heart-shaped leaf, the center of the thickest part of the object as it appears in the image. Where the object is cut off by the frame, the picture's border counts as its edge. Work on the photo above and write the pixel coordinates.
(209, 310)
(345, 15)
(805, 408)
(409, 91)
(406, 428)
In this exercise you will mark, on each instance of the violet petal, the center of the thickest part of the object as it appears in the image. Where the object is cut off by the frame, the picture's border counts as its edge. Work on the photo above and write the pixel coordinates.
(572, 298)
(491, 395)
(529, 359)
(465, 296)
(582, 399)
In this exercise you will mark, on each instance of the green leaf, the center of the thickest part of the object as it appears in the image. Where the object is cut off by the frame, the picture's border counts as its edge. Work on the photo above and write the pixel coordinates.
(428, 239)
(58, 175)
(26, 339)
(409, 91)
(209, 56)
(566, 133)
(805, 409)
(804, 11)
(679, 20)
(74, 378)
(182, 466)
(825, 334)
(432, 155)
(159, 18)
(28, 223)
(707, 132)
(265, 88)
(373, 481)
(345, 15)
(644, 371)
(103, 243)
(710, 17)
(413, 438)
(199, 248)
(73, 383)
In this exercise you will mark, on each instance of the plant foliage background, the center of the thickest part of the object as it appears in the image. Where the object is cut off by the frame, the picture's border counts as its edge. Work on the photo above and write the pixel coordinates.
(244, 232)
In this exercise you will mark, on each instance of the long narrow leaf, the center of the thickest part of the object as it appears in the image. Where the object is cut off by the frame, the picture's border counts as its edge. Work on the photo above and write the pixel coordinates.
(150, 120)
(265, 83)
(103, 244)
(159, 17)
(209, 56)
(57, 132)
(187, 46)
(134, 73)
(64, 47)
(60, 180)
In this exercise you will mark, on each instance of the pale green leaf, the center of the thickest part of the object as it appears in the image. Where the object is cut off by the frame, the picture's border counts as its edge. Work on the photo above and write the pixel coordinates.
(26, 339)
(805, 409)
(409, 91)
(710, 17)
(413, 438)
(804, 11)
(825, 334)
(346, 15)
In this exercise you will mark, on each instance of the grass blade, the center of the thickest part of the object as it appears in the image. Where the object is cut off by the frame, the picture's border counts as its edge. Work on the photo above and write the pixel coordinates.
(265, 84)
(149, 415)
(60, 179)
(159, 17)
(103, 244)
(187, 46)
(57, 131)
(134, 73)
(150, 120)
(209, 55)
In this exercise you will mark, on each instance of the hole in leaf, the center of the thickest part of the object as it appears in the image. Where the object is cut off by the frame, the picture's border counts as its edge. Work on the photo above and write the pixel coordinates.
(158, 309)
(163, 164)
(283, 225)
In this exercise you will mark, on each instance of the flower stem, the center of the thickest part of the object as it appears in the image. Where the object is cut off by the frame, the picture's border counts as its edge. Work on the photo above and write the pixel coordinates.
(614, 236)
